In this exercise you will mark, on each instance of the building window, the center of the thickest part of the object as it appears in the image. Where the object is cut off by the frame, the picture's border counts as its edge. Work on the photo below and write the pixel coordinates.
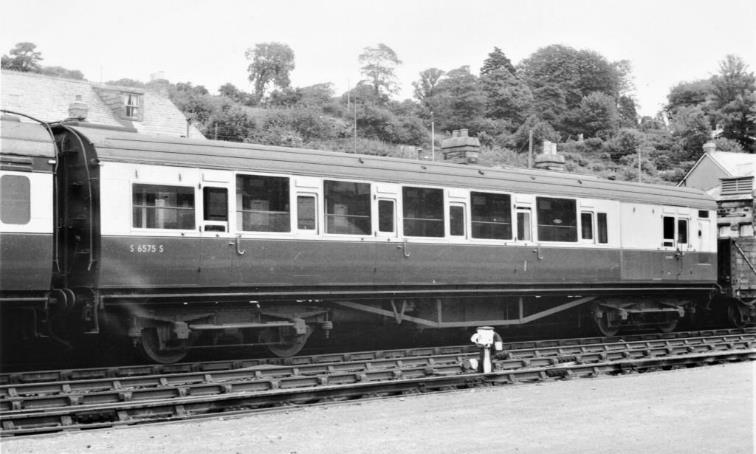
(423, 210)
(347, 207)
(262, 204)
(557, 219)
(133, 105)
(491, 216)
(15, 199)
(682, 231)
(163, 207)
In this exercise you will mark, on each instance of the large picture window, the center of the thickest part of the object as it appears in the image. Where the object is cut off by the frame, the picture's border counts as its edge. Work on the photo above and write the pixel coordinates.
(557, 219)
(262, 204)
(347, 207)
(423, 210)
(491, 216)
(163, 207)
(15, 199)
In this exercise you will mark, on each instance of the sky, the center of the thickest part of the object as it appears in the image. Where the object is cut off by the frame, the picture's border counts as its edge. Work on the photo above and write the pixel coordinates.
(204, 42)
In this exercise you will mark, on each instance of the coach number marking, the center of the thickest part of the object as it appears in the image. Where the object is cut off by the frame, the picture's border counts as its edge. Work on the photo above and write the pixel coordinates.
(146, 248)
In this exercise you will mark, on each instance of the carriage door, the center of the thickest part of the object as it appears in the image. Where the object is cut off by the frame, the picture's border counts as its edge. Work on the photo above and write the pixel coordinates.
(218, 245)
(388, 249)
(674, 246)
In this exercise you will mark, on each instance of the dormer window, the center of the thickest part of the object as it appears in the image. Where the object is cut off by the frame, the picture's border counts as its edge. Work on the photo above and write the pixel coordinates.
(133, 106)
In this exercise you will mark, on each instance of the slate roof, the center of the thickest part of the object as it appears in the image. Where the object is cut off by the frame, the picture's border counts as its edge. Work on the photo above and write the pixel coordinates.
(47, 98)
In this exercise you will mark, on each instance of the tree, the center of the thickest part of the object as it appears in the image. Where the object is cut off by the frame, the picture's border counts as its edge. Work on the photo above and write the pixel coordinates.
(733, 97)
(126, 83)
(688, 94)
(597, 115)
(628, 115)
(23, 58)
(59, 71)
(577, 72)
(691, 127)
(463, 103)
(427, 93)
(497, 60)
(378, 66)
(549, 104)
(507, 97)
(270, 63)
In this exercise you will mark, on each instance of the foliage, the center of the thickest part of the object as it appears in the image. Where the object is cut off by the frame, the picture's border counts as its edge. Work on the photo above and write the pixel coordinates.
(270, 63)
(378, 65)
(733, 98)
(23, 57)
(496, 61)
(59, 71)
(577, 72)
(460, 101)
(426, 90)
(507, 97)
(691, 127)
(597, 116)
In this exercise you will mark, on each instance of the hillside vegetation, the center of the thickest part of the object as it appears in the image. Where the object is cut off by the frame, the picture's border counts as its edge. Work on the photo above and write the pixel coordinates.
(574, 97)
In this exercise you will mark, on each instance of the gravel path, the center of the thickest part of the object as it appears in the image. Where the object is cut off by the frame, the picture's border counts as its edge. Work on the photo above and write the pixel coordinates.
(703, 410)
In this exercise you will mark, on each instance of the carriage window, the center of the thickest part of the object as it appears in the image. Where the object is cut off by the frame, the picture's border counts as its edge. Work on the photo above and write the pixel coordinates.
(457, 220)
(586, 226)
(682, 231)
(491, 216)
(15, 199)
(386, 216)
(347, 207)
(523, 225)
(215, 204)
(163, 207)
(669, 231)
(306, 212)
(262, 204)
(557, 219)
(423, 211)
(603, 230)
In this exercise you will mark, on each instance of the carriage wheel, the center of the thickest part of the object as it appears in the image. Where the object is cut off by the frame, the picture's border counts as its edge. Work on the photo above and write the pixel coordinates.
(149, 346)
(669, 325)
(736, 315)
(284, 342)
(602, 323)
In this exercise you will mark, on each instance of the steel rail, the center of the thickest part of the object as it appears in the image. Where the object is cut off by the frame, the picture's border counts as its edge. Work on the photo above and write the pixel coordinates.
(170, 402)
(52, 375)
(75, 392)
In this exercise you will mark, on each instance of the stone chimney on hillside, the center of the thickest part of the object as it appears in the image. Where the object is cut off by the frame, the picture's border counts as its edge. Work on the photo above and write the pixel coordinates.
(461, 148)
(549, 159)
(78, 109)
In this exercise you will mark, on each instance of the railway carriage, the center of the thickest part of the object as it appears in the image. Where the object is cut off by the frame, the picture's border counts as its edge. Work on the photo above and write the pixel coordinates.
(27, 161)
(174, 241)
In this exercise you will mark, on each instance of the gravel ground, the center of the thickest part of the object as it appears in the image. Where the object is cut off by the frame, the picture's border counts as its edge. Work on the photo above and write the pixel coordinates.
(702, 410)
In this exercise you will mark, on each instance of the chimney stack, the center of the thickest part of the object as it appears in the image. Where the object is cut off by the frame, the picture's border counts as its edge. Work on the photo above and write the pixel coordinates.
(709, 147)
(461, 148)
(549, 159)
(78, 109)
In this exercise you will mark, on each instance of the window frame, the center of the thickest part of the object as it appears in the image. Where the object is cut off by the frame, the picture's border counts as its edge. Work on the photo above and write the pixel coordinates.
(239, 216)
(538, 224)
(512, 224)
(133, 110)
(195, 197)
(370, 198)
(27, 189)
(443, 220)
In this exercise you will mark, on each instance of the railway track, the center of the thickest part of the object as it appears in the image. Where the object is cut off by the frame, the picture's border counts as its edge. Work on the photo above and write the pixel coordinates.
(92, 398)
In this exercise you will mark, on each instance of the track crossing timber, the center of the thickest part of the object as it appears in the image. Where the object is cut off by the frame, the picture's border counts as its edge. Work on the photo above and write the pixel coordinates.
(44, 407)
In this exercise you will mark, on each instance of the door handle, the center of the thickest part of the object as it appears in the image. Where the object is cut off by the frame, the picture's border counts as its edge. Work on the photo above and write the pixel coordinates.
(404, 248)
(238, 245)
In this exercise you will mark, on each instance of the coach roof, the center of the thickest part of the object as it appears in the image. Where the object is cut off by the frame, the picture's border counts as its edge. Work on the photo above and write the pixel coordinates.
(119, 146)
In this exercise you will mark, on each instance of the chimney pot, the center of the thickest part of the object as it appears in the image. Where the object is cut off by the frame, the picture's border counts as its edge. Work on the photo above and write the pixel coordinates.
(709, 147)
(78, 109)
